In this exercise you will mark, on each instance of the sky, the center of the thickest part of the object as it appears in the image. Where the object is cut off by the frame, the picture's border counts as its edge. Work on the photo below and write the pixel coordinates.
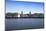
(25, 6)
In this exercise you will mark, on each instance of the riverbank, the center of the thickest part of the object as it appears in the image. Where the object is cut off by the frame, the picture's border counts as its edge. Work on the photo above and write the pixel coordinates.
(23, 17)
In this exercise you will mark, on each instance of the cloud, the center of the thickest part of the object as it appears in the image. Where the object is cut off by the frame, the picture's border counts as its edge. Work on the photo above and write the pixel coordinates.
(30, 0)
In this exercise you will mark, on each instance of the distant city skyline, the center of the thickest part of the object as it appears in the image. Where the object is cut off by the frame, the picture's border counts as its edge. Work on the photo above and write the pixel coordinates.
(26, 7)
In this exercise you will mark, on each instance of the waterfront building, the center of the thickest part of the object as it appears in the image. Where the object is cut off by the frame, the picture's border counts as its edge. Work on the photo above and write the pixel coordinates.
(18, 15)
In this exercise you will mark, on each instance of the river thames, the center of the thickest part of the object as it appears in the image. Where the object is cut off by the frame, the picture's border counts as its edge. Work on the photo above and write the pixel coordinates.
(24, 23)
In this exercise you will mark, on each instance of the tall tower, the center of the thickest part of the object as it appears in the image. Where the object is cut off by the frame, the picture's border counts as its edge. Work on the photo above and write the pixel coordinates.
(30, 12)
(21, 12)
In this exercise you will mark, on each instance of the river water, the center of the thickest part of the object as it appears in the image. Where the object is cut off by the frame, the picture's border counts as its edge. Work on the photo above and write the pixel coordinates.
(25, 23)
